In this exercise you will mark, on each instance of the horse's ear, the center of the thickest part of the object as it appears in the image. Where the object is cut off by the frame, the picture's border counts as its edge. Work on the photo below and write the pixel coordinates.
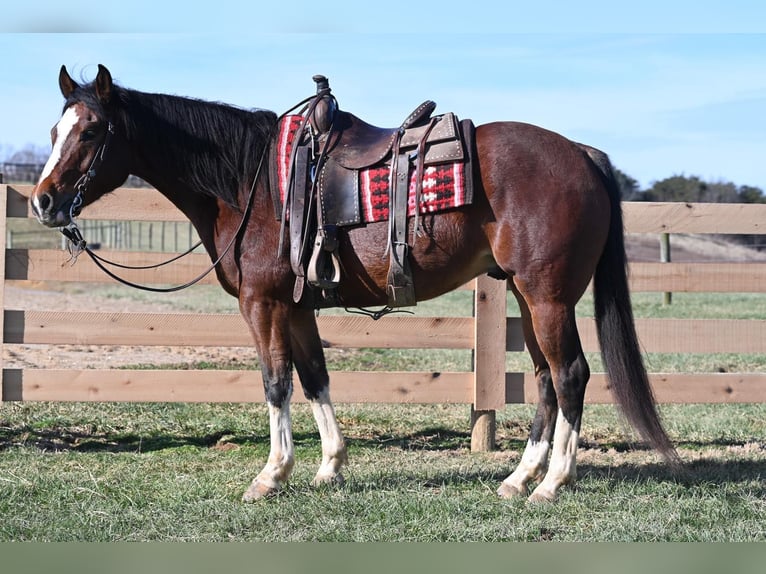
(66, 84)
(104, 85)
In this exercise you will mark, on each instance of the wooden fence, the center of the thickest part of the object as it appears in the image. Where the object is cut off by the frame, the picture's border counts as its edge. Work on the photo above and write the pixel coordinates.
(489, 333)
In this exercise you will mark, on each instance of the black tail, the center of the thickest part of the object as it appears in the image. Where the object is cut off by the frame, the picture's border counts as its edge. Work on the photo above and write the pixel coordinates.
(617, 332)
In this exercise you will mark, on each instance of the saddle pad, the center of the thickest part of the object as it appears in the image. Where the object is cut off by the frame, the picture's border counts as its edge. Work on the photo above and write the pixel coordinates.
(445, 186)
(288, 128)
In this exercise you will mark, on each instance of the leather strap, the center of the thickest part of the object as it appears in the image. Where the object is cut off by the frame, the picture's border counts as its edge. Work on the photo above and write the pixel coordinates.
(298, 220)
(400, 287)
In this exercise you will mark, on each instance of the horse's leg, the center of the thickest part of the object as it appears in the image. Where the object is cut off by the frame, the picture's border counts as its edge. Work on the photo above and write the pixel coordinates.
(269, 324)
(310, 364)
(534, 461)
(556, 331)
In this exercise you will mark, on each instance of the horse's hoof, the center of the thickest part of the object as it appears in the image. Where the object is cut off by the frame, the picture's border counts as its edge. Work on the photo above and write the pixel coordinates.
(509, 491)
(541, 497)
(336, 480)
(259, 490)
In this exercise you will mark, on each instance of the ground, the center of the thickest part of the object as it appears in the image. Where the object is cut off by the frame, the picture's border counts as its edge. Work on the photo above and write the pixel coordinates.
(46, 297)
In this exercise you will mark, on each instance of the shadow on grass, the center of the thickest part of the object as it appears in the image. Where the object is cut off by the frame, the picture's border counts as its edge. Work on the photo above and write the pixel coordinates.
(66, 440)
(705, 470)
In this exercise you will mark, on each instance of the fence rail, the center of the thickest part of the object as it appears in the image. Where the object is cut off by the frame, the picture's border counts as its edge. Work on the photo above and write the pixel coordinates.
(488, 334)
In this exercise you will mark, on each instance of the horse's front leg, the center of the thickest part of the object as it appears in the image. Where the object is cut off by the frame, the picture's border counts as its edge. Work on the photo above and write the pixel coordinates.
(269, 324)
(310, 364)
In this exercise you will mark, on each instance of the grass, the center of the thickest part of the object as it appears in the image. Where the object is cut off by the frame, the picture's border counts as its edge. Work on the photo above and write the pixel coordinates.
(175, 472)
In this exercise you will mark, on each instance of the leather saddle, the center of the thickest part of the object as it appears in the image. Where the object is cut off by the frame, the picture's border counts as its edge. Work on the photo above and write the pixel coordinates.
(323, 190)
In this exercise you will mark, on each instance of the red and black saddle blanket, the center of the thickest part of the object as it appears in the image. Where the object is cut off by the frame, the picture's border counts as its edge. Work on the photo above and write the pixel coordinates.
(446, 184)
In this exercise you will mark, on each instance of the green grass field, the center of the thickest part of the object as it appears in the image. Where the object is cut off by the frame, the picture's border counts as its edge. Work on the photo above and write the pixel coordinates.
(176, 472)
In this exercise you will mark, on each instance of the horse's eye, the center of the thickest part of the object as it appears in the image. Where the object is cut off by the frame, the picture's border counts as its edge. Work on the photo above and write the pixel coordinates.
(87, 135)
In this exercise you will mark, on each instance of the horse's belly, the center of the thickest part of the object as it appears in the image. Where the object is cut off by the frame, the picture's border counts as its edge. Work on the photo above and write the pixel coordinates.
(444, 256)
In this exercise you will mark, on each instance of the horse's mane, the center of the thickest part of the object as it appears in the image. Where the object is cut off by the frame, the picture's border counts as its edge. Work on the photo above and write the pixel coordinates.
(213, 148)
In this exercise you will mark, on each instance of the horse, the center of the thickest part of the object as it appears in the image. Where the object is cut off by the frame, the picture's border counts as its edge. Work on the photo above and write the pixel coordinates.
(546, 216)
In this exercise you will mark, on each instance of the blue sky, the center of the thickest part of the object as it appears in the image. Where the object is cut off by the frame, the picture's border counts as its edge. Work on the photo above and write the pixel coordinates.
(681, 94)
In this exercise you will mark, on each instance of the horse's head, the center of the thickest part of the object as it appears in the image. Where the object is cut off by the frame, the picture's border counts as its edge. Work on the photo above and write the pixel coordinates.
(84, 162)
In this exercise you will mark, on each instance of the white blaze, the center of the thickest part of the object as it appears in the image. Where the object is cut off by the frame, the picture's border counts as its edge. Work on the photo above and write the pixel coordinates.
(63, 129)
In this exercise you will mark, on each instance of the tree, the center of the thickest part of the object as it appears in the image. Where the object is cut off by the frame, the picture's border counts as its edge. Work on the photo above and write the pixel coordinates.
(721, 192)
(30, 154)
(678, 188)
(750, 194)
(629, 188)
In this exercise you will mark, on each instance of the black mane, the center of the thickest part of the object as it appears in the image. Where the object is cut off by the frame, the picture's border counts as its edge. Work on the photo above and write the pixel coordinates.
(213, 148)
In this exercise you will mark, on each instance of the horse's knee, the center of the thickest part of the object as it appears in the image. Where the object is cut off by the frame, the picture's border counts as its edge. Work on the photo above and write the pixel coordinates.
(277, 386)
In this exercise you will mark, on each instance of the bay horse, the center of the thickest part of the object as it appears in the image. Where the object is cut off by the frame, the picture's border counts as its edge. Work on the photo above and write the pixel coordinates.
(546, 214)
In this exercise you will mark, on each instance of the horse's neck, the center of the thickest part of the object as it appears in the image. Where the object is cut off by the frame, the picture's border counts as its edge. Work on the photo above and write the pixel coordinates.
(162, 160)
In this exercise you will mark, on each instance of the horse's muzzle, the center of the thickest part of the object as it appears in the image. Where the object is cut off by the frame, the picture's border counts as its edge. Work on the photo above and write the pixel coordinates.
(45, 209)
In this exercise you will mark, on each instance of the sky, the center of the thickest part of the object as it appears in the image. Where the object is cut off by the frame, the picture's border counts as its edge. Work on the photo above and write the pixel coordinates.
(673, 88)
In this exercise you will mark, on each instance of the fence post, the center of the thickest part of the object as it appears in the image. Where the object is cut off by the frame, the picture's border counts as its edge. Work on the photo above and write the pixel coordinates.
(3, 227)
(665, 258)
(488, 361)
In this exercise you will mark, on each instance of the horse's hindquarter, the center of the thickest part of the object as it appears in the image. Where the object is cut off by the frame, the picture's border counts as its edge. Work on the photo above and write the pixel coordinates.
(549, 202)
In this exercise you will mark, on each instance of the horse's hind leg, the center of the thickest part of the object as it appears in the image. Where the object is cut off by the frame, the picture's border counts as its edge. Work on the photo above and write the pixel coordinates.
(308, 357)
(555, 331)
(534, 461)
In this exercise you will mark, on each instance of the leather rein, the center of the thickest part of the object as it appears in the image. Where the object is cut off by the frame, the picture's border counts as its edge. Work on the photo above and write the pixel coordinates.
(76, 244)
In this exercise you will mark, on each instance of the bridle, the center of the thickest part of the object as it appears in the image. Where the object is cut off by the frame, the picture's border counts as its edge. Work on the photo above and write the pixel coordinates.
(82, 184)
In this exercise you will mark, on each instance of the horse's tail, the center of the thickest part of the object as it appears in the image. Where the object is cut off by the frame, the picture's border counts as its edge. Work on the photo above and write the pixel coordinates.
(616, 328)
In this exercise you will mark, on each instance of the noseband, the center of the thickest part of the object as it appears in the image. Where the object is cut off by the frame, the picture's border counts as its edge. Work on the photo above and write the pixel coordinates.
(82, 184)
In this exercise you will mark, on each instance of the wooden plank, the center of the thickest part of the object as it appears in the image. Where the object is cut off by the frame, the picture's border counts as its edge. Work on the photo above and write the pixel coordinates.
(53, 265)
(124, 204)
(689, 335)
(348, 387)
(692, 388)
(671, 217)
(222, 330)
(226, 386)
(698, 277)
(397, 332)
(681, 388)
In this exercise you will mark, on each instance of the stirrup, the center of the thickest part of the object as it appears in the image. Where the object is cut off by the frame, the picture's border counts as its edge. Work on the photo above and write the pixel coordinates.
(324, 266)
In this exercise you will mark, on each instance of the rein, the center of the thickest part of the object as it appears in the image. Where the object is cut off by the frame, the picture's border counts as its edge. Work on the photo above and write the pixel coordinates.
(77, 243)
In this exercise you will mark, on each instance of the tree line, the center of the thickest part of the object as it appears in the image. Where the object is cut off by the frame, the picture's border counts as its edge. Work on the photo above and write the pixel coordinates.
(688, 189)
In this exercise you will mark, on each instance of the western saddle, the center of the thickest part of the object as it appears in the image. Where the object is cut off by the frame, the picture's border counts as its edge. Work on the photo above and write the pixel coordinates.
(322, 192)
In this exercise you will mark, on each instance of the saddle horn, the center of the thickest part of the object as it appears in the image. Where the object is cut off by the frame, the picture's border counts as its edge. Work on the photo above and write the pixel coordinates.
(324, 111)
